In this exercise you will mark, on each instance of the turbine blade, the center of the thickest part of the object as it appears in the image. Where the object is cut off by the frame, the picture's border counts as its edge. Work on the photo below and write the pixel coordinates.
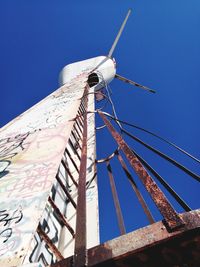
(119, 34)
(121, 78)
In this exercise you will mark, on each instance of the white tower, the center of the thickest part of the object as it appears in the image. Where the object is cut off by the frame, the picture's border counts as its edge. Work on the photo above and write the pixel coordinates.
(44, 151)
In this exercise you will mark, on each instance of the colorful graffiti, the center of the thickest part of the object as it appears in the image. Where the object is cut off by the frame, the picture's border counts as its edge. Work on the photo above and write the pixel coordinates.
(9, 148)
(31, 149)
(7, 219)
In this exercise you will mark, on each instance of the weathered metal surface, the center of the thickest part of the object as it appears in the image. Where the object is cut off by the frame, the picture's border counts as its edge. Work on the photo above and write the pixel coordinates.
(80, 239)
(66, 243)
(76, 139)
(135, 188)
(69, 172)
(62, 218)
(66, 191)
(151, 246)
(79, 118)
(92, 210)
(116, 200)
(72, 160)
(74, 147)
(172, 219)
(50, 244)
(183, 204)
(77, 132)
(78, 124)
(171, 160)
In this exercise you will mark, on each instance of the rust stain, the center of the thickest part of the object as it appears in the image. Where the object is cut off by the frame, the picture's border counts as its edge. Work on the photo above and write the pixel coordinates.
(172, 219)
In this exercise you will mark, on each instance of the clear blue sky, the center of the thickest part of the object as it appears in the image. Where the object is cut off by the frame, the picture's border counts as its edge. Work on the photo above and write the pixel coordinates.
(159, 48)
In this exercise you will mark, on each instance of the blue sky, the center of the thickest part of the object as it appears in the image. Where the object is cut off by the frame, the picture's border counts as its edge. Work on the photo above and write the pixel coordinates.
(159, 48)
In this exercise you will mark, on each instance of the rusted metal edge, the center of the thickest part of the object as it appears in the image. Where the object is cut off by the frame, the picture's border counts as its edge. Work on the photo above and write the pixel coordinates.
(69, 173)
(80, 239)
(135, 188)
(138, 242)
(164, 156)
(116, 200)
(183, 204)
(76, 130)
(74, 148)
(61, 216)
(72, 160)
(49, 243)
(76, 139)
(66, 191)
(79, 122)
(172, 219)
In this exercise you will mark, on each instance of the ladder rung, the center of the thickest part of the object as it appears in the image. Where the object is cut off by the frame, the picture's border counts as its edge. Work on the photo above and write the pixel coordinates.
(69, 173)
(68, 153)
(65, 190)
(63, 219)
(49, 243)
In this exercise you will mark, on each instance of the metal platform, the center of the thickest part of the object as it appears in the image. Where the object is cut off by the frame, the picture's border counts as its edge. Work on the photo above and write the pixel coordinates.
(151, 246)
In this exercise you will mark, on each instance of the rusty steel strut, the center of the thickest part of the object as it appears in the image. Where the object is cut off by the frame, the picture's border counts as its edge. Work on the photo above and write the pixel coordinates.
(116, 199)
(175, 163)
(49, 243)
(181, 202)
(135, 188)
(80, 237)
(172, 219)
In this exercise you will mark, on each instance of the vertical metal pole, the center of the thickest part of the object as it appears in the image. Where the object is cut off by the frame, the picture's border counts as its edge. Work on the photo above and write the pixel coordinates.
(80, 237)
(116, 200)
(135, 188)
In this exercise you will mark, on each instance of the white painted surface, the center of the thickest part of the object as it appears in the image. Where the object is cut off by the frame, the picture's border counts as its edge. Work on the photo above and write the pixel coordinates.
(31, 148)
(103, 66)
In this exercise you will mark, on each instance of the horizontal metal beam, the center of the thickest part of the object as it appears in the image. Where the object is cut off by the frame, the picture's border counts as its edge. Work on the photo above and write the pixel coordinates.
(151, 246)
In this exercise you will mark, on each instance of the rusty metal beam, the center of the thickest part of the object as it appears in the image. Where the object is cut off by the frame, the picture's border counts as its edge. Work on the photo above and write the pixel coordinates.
(66, 191)
(72, 160)
(62, 218)
(135, 188)
(172, 219)
(49, 243)
(77, 132)
(183, 204)
(169, 159)
(75, 150)
(80, 239)
(78, 125)
(76, 139)
(69, 173)
(80, 117)
(151, 246)
(116, 200)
